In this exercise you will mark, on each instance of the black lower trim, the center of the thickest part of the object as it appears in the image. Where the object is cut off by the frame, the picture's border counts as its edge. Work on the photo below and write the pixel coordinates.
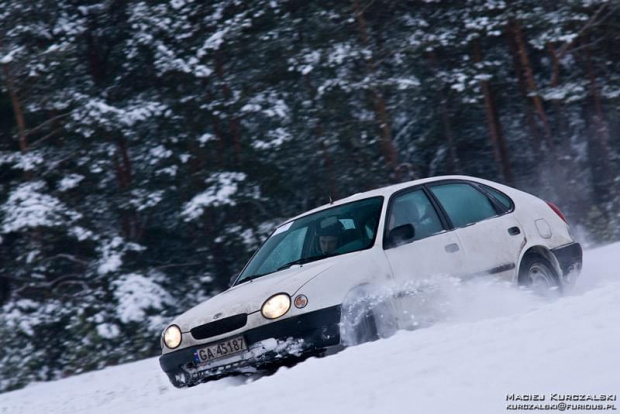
(569, 256)
(500, 269)
(307, 326)
(316, 331)
(220, 327)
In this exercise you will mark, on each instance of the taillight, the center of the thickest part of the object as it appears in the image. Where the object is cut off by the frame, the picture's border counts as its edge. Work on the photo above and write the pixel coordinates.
(557, 211)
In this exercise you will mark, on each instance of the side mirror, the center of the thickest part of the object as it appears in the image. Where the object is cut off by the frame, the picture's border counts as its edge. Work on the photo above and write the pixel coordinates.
(232, 280)
(401, 235)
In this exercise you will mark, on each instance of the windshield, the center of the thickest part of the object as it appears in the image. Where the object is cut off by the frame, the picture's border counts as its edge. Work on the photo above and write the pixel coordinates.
(331, 232)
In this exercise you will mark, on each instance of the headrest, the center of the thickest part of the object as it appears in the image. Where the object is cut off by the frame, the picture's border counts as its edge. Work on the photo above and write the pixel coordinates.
(330, 227)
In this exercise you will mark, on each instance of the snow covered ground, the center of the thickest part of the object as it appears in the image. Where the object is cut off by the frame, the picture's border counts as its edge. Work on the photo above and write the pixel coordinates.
(492, 341)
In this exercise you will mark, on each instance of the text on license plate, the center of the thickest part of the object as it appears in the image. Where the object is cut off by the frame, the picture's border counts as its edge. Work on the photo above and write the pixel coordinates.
(220, 349)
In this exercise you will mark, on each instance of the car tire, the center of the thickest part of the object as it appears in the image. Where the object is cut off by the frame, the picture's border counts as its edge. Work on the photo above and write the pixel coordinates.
(359, 322)
(538, 275)
(366, 329)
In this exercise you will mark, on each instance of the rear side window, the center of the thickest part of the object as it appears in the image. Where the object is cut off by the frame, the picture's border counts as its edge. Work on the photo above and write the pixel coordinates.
(463, 203)
(501, 197)
(414, 208)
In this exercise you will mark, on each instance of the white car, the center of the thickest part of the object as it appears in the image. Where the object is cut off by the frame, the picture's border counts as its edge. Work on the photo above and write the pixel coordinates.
(311, 287)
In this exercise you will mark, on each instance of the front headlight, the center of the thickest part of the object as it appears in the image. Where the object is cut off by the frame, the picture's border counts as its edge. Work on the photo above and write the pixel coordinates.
(172, 336)
(276, 306)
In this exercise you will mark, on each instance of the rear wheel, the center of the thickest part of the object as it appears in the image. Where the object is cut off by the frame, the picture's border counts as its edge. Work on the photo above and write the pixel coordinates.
(539, 276)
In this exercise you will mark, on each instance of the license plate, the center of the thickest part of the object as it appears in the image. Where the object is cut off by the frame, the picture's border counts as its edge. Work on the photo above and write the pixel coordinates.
(220, 350)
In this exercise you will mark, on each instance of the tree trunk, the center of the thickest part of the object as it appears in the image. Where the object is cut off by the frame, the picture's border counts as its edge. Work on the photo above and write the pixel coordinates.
(5, 290)
(379, 105)
(217, 129)
(515, 27)
(131, 222)
(234, 132)
(387, 144)
(455, 166)
(96, 63)
(17, 109)
(123, 165)
(529, 115)
(329, 170)
(500, 149)
(599, 137)
(555, 82)
(327, 159)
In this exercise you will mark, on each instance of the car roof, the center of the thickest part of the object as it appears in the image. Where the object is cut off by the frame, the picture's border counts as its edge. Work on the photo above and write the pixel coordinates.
(388, 191)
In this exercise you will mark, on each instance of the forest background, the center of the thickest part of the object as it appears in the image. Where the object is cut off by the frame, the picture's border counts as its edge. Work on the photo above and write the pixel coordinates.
(148, 148)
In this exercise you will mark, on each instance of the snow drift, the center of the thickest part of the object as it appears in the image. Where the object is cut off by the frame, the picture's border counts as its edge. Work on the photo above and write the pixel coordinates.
(488, 341)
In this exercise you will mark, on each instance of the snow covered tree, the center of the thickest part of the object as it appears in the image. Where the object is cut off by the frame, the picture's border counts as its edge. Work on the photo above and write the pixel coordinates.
(148, 148)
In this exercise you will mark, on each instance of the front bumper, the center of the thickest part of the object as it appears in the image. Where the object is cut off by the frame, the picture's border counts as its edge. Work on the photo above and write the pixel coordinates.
(271, 344)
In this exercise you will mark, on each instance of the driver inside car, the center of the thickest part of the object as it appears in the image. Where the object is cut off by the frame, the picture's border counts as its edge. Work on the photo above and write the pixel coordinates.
(329, 236)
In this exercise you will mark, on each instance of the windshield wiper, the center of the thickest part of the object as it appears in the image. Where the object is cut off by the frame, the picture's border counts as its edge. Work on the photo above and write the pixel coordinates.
(303, 260)
(248, 278)
(285, 266)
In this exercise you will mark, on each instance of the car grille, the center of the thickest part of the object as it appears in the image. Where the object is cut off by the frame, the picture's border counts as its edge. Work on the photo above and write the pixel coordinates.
(219, 327)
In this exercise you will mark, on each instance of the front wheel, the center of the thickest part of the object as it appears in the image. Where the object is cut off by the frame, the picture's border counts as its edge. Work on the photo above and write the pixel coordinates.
(368, 314)
(358, 324)
(366, 329)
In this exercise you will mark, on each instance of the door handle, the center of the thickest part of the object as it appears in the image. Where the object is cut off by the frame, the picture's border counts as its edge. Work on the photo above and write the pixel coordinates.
(452, 248)
(513, 231)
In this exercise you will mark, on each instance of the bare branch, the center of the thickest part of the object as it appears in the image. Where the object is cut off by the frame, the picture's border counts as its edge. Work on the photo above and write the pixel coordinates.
(83, 284)
(45, 123)
(15, 278)
(168, 266)
(49, 288)
(69, 257)
(364, 8)
(594, 20)
(48, 136)
(587, 45)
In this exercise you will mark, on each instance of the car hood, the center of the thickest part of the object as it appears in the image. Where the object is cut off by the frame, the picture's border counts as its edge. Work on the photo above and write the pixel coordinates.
(248, 297)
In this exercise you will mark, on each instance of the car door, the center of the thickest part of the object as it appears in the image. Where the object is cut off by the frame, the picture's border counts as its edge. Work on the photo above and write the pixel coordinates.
(490, 235)
(433, 250)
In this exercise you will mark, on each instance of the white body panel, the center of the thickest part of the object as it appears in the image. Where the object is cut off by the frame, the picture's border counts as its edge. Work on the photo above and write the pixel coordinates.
(249, 297)
(491, 235)
(529, 209)
(441, 254)
(336, 275)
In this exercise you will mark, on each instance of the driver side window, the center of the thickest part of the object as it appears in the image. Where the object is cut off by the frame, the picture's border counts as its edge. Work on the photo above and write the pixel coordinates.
(415, 208)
